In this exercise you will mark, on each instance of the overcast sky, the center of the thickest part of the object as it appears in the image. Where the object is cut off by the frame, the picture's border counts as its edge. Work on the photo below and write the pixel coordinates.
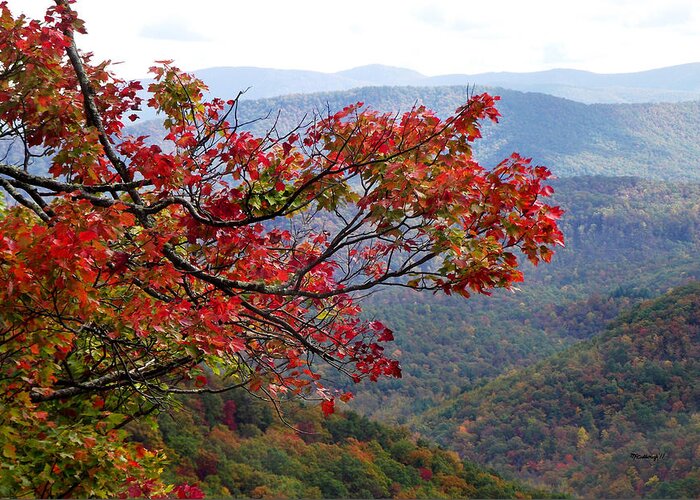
(433, 37)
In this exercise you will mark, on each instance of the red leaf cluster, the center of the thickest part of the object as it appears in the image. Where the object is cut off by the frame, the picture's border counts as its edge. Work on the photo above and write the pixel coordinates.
(140, 258)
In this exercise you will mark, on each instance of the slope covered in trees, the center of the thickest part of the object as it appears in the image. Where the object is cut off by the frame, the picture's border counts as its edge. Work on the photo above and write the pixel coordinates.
(233, 446)
(615, 416)
(626, 240)
(660, 141)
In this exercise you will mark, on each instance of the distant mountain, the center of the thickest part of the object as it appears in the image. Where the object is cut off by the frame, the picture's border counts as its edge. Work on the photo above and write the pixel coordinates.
(670, 84)
(264, 82)
(616, 416)
(660, 141)
(267, 82)
(378, 75)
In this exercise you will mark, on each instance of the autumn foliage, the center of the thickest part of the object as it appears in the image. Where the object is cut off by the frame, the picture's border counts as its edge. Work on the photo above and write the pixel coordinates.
(132, 266)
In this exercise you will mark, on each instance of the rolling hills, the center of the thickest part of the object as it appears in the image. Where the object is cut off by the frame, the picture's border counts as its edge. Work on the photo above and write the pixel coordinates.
(628, 239)
(656, 141)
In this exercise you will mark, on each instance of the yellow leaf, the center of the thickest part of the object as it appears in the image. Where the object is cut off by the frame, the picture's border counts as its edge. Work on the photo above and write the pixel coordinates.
(9, 450)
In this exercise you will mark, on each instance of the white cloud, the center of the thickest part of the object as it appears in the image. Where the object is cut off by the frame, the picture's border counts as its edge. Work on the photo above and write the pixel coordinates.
(173, 29)
(431, 36)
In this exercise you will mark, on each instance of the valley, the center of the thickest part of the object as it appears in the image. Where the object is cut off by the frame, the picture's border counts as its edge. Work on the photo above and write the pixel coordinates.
(627, 182)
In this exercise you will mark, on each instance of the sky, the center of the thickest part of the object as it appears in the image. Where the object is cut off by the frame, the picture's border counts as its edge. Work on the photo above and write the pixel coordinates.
(433, 37)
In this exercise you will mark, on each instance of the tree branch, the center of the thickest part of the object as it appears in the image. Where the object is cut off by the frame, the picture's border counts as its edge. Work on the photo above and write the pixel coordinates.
(113, 380)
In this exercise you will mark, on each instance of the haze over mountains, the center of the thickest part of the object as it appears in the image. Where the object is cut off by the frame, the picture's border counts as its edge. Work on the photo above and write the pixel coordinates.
(669, 84)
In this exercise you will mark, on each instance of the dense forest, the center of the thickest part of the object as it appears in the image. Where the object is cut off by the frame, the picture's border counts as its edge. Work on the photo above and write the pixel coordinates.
(628, 239)
(614, 227)
(235, 446)
(615, 416)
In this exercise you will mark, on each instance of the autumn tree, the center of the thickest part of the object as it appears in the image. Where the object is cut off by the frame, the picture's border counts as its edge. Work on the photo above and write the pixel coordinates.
(133, 266)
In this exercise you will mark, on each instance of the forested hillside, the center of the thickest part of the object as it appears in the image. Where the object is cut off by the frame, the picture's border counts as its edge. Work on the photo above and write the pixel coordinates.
(616, 416)
(660, 141)
(234, 446)
(627, 240)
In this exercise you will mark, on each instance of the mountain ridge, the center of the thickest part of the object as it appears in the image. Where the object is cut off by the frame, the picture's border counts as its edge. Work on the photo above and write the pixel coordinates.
(667, 84)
